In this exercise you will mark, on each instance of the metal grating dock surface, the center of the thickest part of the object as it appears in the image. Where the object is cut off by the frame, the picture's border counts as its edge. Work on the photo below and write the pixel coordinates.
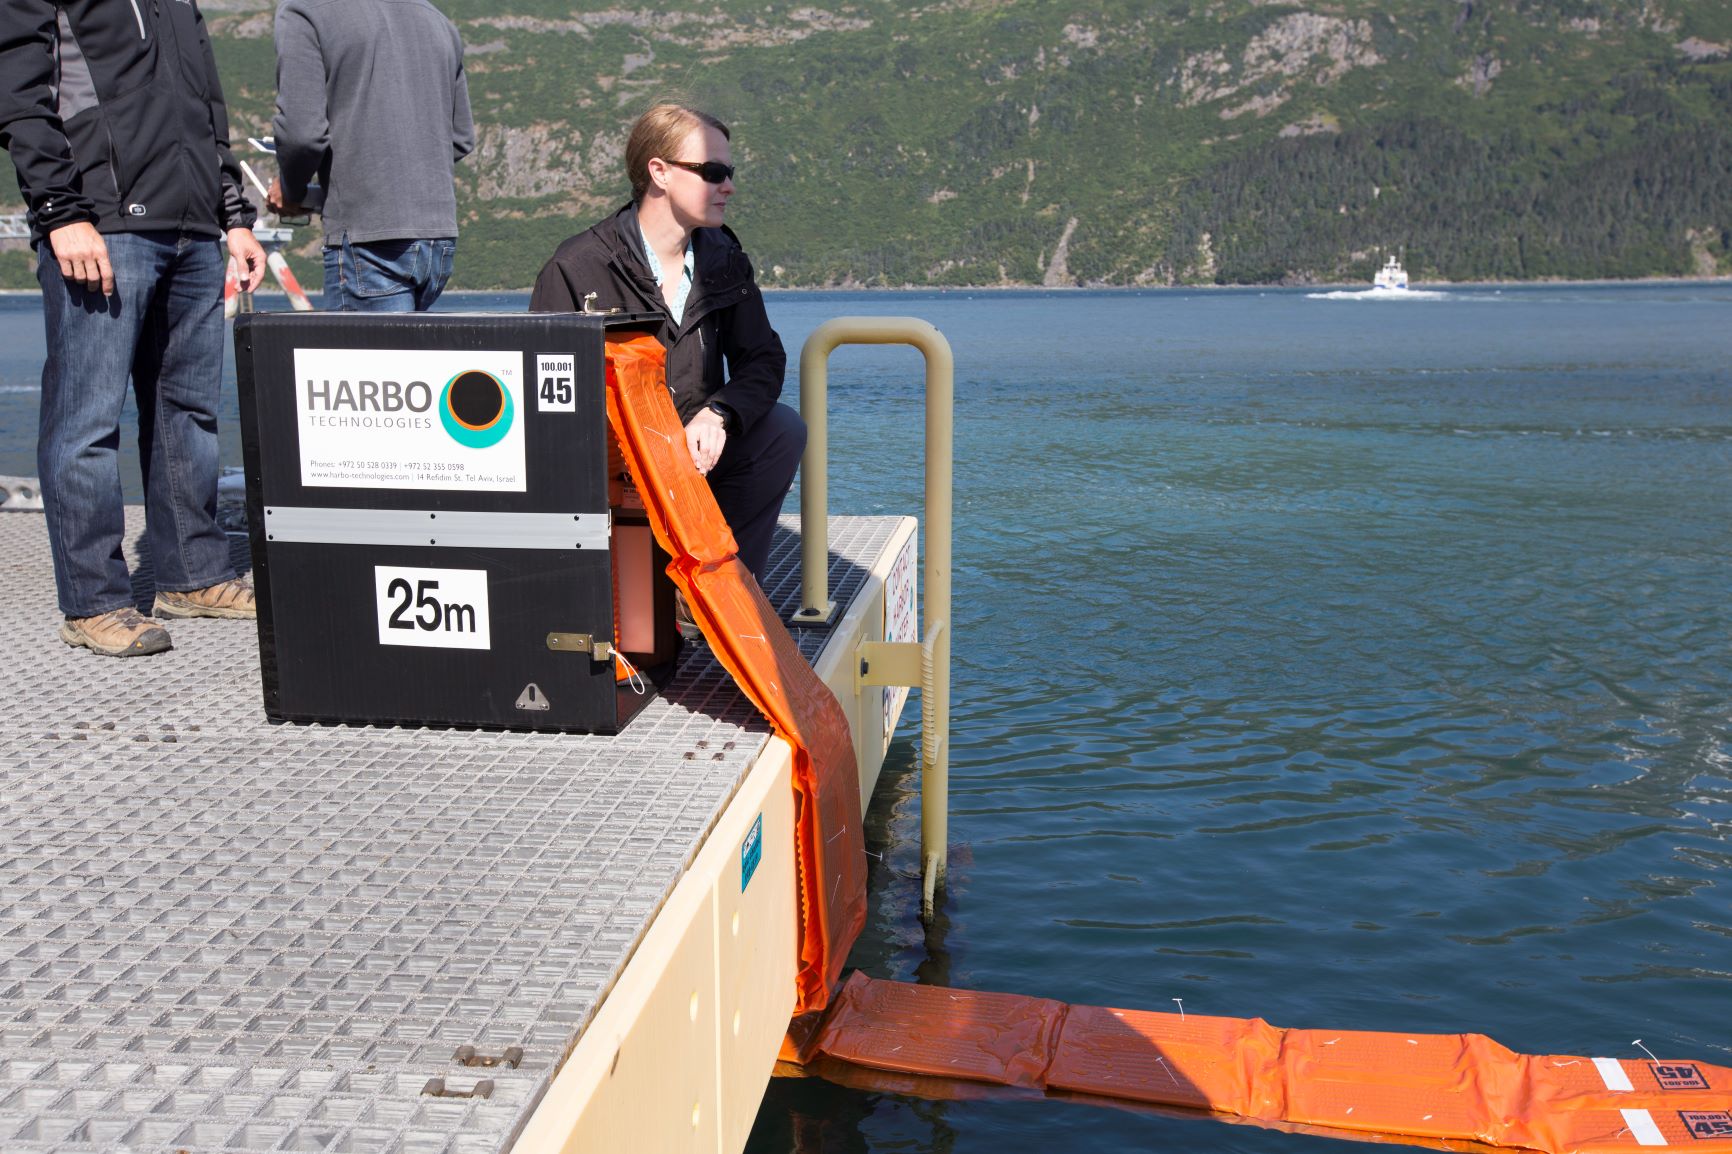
(218, 934)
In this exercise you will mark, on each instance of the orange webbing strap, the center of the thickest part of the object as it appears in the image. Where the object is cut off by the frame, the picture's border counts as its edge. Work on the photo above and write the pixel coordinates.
(1427, 1089)
(753, 645)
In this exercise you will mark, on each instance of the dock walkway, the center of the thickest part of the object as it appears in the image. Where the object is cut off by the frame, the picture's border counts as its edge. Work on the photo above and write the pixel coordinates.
(225, 935)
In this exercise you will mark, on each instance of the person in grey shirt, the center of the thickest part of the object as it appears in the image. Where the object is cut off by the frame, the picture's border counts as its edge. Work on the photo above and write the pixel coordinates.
(372, 104)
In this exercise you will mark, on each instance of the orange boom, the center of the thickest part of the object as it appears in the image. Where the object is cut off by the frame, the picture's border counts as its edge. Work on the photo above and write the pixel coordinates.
(1427, 1089)
(753, 645)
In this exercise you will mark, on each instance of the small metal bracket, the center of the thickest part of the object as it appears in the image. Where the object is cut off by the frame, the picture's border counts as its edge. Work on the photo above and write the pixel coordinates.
(436, 1088)
(888, 663)
(466, 1055)
(580, 643)
(813, 615)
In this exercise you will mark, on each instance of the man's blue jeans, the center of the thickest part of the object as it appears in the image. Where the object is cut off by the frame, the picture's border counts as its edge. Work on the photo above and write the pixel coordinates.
(387, 276)
(163, 328)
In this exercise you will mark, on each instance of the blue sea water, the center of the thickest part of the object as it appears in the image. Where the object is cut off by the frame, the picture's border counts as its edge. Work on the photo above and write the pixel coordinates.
(1352, 664)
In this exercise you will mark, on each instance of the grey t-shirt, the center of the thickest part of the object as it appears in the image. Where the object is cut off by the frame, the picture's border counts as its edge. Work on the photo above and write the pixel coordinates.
(372, 101)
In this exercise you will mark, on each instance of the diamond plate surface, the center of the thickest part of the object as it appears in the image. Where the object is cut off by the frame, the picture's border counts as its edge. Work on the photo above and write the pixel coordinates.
(223, 935)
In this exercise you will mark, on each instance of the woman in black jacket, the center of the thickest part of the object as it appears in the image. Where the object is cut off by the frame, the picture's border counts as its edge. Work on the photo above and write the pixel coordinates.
(668, 252)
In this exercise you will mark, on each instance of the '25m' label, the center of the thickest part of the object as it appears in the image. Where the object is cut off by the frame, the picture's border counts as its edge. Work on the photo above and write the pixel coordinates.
(432, 608)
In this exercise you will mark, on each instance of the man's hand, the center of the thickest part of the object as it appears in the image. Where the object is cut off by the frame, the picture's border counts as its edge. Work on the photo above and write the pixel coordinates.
(275, 202)
(83, 256)
(705, 436)
(244, 247)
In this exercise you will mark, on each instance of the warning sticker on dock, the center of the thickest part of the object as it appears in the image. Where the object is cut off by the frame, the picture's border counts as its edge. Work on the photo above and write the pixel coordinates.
(410, 419)
(901, 623)
(751, 852)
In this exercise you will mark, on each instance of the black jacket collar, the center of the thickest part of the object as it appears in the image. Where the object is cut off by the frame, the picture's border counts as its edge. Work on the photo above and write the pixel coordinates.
(719, 265)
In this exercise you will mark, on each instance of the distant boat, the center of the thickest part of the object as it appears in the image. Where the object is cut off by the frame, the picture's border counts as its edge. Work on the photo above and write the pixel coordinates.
(1390, 278)
(1389, 284)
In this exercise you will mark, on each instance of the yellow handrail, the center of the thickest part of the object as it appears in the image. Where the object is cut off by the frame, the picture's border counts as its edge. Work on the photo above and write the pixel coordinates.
(816, 606)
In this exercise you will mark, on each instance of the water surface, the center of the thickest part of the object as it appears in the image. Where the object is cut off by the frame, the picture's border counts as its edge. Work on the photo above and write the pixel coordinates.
(1348, 664)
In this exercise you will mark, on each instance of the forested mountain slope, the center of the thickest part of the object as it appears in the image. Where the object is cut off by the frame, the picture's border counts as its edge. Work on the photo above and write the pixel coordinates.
(984, 142)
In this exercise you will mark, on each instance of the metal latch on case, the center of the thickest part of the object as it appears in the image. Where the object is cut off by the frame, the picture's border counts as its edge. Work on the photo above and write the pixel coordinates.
(580, 643)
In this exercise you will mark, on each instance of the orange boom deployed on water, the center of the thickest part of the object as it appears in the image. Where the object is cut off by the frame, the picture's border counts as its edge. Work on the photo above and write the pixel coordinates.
(1430, 1089)
(1426, 1089)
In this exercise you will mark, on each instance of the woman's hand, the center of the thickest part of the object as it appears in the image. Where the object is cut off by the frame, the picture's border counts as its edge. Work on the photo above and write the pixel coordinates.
(705, 436)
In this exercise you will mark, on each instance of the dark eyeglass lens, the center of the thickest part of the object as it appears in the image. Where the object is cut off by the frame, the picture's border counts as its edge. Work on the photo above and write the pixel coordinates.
(710, 171)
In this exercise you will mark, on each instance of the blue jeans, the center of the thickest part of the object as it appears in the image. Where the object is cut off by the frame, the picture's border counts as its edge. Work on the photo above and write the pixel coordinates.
(163, 328)
(387, 276)
(754, 474)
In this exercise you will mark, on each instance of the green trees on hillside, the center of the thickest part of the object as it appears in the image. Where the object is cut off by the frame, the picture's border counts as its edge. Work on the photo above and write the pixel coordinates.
(1463, 207)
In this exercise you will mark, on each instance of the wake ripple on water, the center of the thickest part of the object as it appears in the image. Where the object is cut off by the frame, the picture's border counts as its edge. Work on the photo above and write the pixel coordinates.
(1382, 295)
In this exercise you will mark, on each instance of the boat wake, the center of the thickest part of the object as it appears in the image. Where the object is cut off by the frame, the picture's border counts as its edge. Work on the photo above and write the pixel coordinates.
(1378, 294)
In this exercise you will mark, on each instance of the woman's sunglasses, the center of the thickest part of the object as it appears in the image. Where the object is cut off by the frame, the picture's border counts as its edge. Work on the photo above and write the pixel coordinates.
(712, 171)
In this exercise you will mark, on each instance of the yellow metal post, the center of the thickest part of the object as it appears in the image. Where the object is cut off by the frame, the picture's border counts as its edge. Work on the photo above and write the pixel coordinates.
(816, 605)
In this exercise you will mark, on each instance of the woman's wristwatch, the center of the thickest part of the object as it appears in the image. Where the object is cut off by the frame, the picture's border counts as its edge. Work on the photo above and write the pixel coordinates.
(725, 413)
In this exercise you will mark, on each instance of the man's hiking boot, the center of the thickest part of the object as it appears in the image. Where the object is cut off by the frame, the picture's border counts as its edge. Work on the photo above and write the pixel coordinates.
(231, 598)
(118, 633)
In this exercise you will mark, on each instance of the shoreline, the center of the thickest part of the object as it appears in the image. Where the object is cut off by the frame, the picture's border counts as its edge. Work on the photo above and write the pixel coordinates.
(1318, 286)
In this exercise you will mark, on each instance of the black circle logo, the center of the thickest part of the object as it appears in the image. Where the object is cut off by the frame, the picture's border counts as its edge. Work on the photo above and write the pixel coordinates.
(477, 400)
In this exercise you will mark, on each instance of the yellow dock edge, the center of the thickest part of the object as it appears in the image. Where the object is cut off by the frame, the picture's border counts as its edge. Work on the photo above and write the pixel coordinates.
(679, 1052)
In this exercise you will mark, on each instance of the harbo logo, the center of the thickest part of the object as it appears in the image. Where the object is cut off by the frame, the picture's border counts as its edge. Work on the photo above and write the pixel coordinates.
(476, 409)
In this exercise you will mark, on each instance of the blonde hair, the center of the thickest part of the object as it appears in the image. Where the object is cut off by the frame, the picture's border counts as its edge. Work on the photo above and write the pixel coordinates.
(659, 132)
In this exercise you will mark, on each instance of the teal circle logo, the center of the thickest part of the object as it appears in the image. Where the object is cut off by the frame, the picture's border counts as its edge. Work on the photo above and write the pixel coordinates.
(476, 409)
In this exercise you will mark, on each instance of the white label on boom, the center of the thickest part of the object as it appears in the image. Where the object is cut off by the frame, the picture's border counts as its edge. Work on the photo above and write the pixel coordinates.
(438, 608)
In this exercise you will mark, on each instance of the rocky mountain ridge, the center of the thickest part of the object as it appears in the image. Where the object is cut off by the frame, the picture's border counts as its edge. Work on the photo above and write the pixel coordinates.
(976, 142)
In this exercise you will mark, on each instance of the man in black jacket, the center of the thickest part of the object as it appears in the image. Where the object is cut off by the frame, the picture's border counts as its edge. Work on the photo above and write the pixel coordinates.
(115, 122)
(668, 252)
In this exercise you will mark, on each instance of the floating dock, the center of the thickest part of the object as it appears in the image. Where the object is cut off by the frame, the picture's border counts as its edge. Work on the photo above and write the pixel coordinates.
(224, 935)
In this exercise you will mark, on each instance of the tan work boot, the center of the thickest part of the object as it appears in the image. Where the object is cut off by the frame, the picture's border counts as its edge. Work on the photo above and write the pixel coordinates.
(117, 633)
(231, 598)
